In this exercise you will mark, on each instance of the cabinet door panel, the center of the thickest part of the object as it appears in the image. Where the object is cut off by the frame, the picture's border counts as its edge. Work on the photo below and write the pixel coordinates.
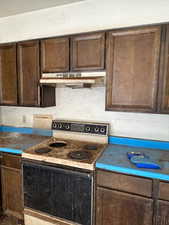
(117, 208)
(8, 75)
(28, 71)
(12, 194)
(55, 55)
(87, 51)
(132, 69)
(162, 217)
(164, 72)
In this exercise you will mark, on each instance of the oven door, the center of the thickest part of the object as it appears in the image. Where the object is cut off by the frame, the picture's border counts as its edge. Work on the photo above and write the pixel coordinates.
(63, 193)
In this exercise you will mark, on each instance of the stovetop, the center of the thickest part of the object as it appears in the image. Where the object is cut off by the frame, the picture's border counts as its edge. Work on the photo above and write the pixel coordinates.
(74, 153)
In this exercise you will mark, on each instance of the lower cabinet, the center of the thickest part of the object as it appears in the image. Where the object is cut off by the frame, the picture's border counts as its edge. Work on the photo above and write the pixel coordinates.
(162, 216)
(12, 185)
(118, 208)
(0, 188)
(130, 200)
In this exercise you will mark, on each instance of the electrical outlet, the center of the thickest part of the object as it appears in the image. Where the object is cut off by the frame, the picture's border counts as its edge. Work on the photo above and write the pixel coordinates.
(23, 119)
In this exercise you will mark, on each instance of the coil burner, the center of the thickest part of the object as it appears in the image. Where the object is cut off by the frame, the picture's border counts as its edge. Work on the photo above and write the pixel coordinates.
(90, 147)
(42, 150)
(80, 155)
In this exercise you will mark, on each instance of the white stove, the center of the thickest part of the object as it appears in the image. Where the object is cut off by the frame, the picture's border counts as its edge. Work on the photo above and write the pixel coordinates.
(63, 165)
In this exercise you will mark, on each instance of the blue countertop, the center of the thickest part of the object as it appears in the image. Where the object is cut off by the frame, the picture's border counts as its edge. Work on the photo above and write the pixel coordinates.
(17, 139)
(114, 158)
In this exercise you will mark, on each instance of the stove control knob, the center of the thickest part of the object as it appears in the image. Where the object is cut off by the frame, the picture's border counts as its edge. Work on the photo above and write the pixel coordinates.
(102, 130)
(54, 125)
(87, 129)
(60, 125)
(96, 129)
(67, 127)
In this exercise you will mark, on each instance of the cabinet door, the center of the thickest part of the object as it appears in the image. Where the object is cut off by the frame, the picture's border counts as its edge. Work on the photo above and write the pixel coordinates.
(162, 217)
(132, 69)
(28, 71)
(164, 72)
(12, 194)
(8, 75)
(1, 212)
(47, 96)
(55, 55)
(117, 208)
(87, 52)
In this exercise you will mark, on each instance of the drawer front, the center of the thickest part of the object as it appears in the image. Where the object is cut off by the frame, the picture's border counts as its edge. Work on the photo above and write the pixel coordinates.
(164, 191)
(11, 160)
(127, 183)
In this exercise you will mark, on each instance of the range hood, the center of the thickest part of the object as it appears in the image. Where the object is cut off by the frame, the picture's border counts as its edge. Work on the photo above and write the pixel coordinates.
(74, 79)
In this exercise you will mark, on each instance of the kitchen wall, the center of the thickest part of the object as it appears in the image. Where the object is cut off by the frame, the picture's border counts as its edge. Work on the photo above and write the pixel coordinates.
(87, 104)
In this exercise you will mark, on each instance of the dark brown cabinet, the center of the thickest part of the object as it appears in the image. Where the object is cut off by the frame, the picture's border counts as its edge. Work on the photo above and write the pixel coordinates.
(88, 52)
(28, 73)
(8, 75)
(162, 204)
(136, 62)
(162, 216)
(132, 69)
(164, 72)
(123, 199)
(12, 185)
(77, 53)
(129, 200)
(20, 74)
(55, 55)
(0, 188)
(118, 208)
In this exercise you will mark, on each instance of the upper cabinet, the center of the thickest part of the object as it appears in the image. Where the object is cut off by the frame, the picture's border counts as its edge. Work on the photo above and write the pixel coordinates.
(136, 61)
(164, 73)
(88, 52)
(20, 74)
(8, 75)
(30, 93)
(55, 55)
(28, 73)
(132, 69)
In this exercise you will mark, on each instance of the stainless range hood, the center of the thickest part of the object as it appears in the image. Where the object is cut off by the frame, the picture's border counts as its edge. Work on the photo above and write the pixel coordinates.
(74, 79)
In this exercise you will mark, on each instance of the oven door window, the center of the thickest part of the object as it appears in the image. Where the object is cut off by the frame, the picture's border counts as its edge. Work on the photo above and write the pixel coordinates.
(58, 192)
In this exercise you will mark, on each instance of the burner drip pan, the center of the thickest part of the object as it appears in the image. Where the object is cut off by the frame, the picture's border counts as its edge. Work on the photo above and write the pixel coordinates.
(80, 155)
(90, 147)
(42, 150)
(58, 144)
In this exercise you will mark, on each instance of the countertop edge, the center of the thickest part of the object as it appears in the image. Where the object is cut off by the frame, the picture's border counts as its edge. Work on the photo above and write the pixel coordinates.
(132, 171)
(11, 150)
